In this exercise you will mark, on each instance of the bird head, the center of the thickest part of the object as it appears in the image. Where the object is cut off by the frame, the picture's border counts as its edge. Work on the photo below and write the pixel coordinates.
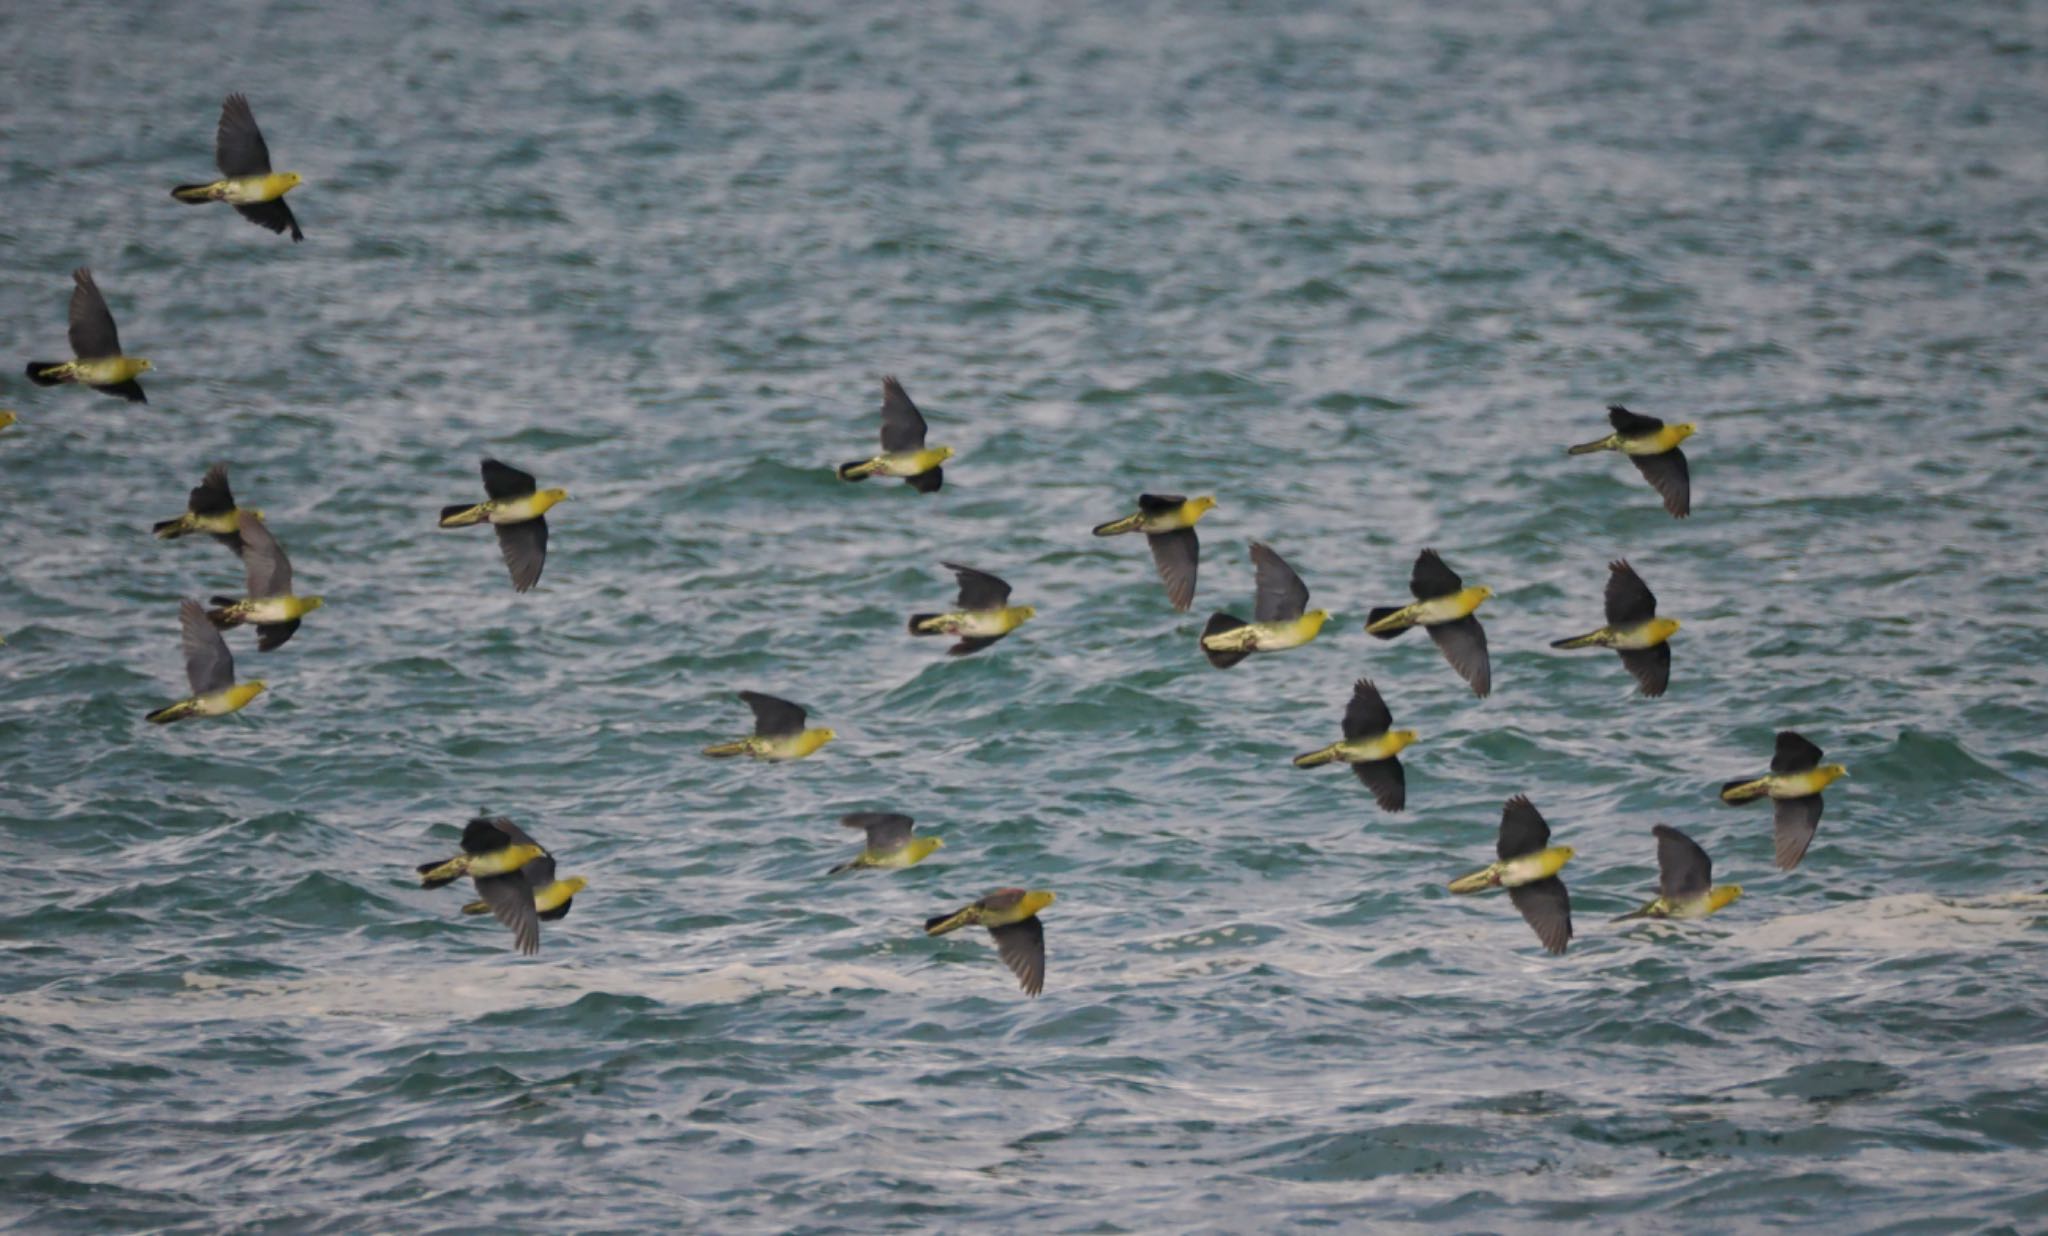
(256, 687)
(1833, 772)
(825, 736)
(1401, 740)
(1026, 612)
(293, 180)
(1722, 896)
(548, 497)
(1315, 619)
(571, 886)
(1662, 629)
(945, 452)
(250, 511)
(313, 603)
(1035, 900)
(1684, 430)
(1483, 592)
(143, 366)
(1198, 507)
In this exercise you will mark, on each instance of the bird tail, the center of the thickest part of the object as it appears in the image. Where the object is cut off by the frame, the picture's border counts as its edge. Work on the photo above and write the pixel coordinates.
(1587, 448)
(1219, 623)
(1477, 881)
(1590, 639)
(1327, 755)
(223, 615)
(434, 875)
(173, 712)
(848, 865)
(193, 194)
(858, 470)
(917, 622)
(941, 924)
(461, 515)
(476, 907)
(170, 529)
(726, 750)
(1114, 527)
(1745, 791)
(49, 373)
(1646, 910)
(1374, 618)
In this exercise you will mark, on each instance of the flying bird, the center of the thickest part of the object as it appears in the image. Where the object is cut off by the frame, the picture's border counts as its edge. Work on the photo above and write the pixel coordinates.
(209, 668)
(904, 453)
(270, 603)
(247, 183)
(210, 509)
(984, 614)
(1633, 629)
(1168, 522)
(1283, 618)
(1011, 916)
(1652, 446)
(517, 512)
(1528, 869)
(1796, 779)
(1685, 880)
(890, 844)
(1444, 607)
(1371, 746)
(95, 348)
(524, 899)
(779, 732)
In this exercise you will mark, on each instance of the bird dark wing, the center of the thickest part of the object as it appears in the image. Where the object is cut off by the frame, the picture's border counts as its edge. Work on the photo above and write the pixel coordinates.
(274, 215)
(238, 147)
(265, 568)
(1794, 754)
(524, 546)
(1389, 785)
(1022, 946)
(1178, 555)
(1463, 644)
(886, 830)
(92, 324)
(1547, 908)
(1160, 504)
(1000, 900)
(930, 481)
(774, 718)
(1522, 829)
(971, 643)
(1670, 477)
(212, 495)
(1367, 714)
(271, 636)
(510, 898)
(1282, 597)
(539, 872)
(502, 480)
(209, 666)
(515, 835)
(979, 589)
(1431, 578)
(1683, 869)
(902, 424)
(1629, 600)
(1651, 667)
(1793, 823)
(487, 834)
(130, 390)
(1629, 424)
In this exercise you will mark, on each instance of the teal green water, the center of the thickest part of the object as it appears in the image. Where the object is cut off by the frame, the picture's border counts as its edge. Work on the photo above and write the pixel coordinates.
(1362, 273)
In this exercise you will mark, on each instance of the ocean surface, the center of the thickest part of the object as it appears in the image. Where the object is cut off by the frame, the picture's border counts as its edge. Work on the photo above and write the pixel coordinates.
(1360, 272)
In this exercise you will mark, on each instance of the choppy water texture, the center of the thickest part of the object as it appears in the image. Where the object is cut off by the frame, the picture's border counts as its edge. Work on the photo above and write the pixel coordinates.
(1360, 273)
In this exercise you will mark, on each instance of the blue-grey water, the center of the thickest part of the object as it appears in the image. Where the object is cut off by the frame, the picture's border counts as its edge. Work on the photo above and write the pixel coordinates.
(1361, 272)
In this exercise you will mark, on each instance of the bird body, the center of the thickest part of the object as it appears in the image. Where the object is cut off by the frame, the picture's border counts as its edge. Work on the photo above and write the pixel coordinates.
(779, 732)
(1159, 514)
(502, 861)
(1784, 785)
(890, 845)
(1282, 619)
(1685, 880)
(516, 508)
(1634, 638)
(1370, 746)
(1433, 612)
(550, 900)
(1011, 916)
(1794, 787)
(1382, 746)
(984, 614)
(1652, 446)
(246, 183)
(503, 511)
(1633, 629)
(209, 669)
(904, 454)
(97, 360)
(1513, 872)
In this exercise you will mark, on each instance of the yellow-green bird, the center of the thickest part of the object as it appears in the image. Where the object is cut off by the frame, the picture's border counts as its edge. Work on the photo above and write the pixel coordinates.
(209, 668)
(1283, 619)
(1168, 522)
(1528, 869)
(983, 614)
(1685, 880)
(97, 360)
(1633, 629)
(1652, 446)
(1011, 916)
(270, 602)
(516, 508)
(1443, 607)
(904, 453)
(779, 732)
(524, 899)
(210, 509)
(1796, 779)
(890, 845)
(246, 183)
(1371, 746)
